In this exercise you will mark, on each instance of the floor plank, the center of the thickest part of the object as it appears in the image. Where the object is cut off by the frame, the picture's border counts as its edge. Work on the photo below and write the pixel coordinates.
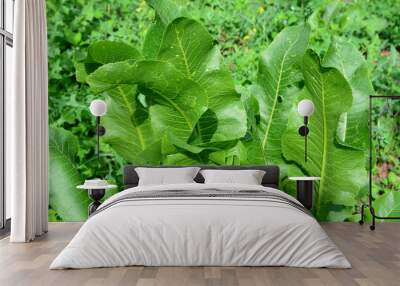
(375, 257)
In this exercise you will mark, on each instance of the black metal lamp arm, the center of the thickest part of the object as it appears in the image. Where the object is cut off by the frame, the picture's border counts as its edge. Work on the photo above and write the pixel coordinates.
(100, 131)
(303, 131)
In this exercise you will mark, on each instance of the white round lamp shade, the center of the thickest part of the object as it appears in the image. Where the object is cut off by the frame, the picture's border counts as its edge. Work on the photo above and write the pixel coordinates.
(98, 107)
(305, 107)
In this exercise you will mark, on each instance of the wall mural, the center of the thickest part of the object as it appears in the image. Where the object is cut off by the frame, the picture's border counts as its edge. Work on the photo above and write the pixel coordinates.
(174, 100)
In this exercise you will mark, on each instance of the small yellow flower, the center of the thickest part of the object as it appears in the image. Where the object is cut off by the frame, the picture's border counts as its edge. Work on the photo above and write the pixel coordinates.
(261, 9)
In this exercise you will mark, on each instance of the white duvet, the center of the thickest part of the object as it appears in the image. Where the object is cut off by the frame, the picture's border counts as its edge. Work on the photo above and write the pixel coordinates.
(200, 231)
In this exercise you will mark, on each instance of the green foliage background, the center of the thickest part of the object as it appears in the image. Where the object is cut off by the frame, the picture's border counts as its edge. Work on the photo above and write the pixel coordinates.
(243, 30)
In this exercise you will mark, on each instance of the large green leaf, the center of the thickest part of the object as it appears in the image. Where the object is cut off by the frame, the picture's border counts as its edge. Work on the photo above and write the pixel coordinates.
(169, 10)
(69, 203)
(178, 86)
(278, 71)
(353, 127)
(166, 12)
(250, 96)
(103, 52)
(177, 102)
(190, 48)
(129, 131)
(187, 45)
(226, 117)
(340, 168)
(153, 39)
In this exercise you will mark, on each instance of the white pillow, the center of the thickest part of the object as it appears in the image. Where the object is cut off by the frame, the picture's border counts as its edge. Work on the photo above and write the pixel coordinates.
(247, 177)
(166, 176)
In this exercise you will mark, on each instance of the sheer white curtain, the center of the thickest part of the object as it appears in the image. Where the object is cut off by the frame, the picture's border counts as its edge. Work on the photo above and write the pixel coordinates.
(27, 130)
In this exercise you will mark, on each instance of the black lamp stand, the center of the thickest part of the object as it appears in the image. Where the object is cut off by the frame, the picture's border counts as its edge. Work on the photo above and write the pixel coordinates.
(303, 131)
(370, 195)
(95, 195)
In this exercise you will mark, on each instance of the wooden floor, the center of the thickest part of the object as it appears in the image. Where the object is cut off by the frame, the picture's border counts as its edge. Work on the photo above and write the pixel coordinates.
(375, 257)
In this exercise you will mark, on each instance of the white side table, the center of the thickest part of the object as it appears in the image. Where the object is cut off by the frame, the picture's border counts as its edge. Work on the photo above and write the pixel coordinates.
(305, 190)
(96, 193)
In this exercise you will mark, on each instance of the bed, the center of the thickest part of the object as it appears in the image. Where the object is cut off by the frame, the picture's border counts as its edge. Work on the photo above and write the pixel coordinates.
(197, 224)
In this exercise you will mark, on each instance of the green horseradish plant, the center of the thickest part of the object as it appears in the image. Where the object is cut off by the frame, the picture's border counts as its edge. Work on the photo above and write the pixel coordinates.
(175, 103)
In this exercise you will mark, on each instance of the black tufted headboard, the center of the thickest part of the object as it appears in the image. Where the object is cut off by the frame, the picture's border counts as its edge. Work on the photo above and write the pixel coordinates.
(271, 177)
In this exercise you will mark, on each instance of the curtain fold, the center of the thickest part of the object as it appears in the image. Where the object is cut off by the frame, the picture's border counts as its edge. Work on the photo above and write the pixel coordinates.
(27, 160)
